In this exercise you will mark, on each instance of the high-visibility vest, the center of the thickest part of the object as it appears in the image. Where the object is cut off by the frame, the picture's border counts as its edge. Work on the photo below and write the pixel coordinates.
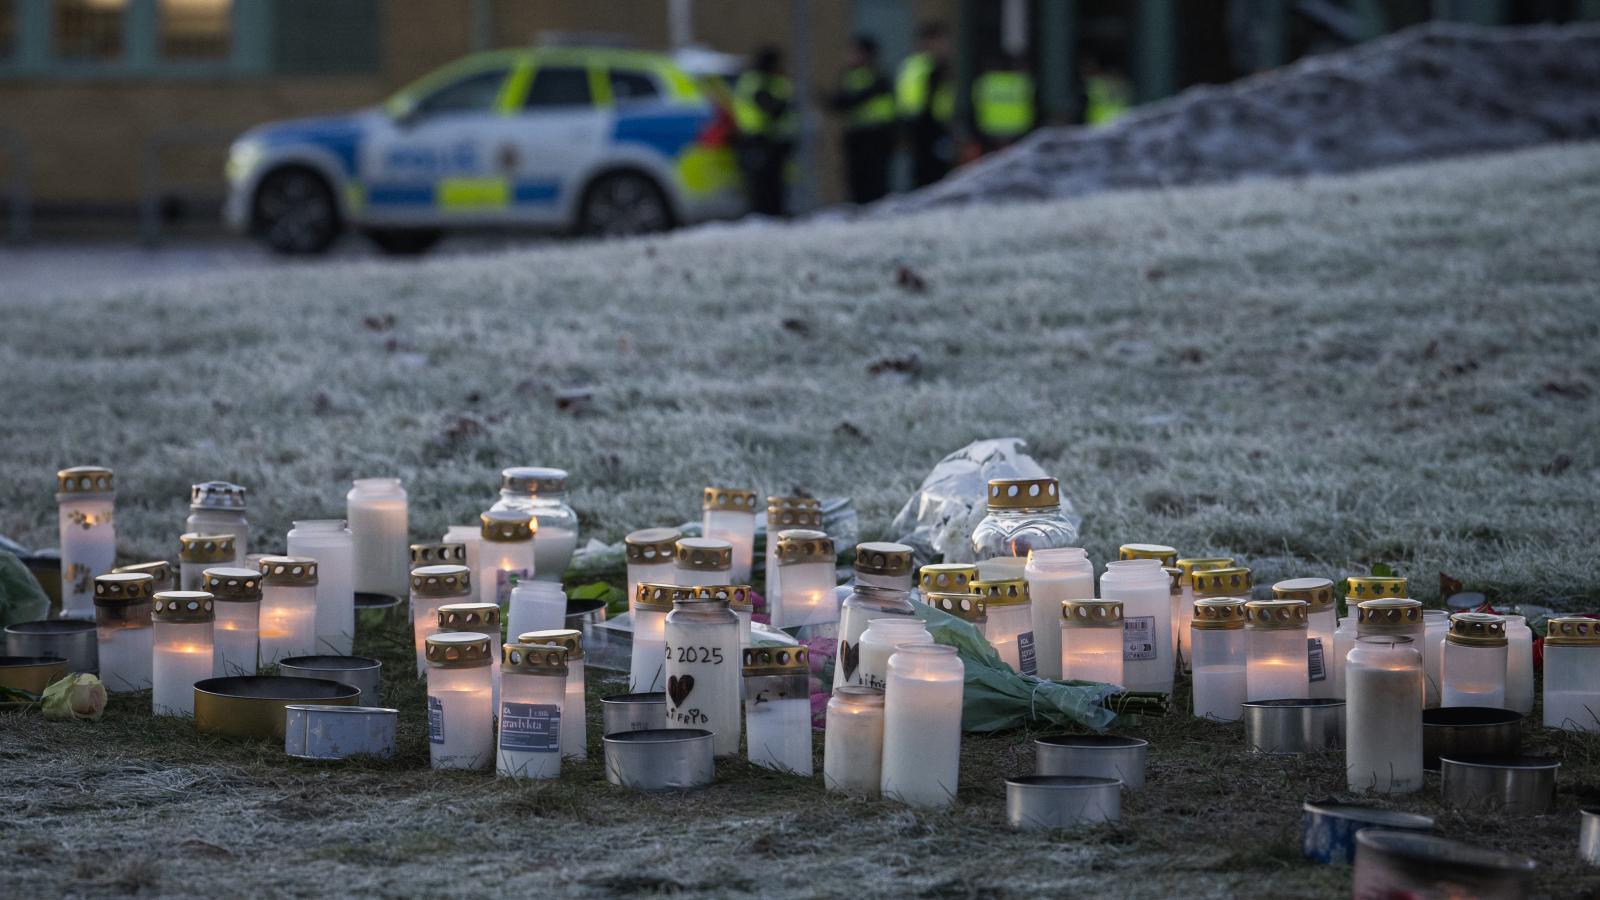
(911, 90)
(1002, 103)
(1107, 99)
(748, 115)
(877, 109)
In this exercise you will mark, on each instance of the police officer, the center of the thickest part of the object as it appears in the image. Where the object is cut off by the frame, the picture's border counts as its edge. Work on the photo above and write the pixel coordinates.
(1002, 104)
(926, 102)
(866, 100)
(763, 113)
(1105, 93)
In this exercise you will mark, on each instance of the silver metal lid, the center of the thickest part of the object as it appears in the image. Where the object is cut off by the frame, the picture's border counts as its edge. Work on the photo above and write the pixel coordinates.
(216, 495)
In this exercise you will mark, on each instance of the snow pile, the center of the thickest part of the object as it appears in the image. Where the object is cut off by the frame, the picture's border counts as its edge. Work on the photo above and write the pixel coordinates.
(1429, 92)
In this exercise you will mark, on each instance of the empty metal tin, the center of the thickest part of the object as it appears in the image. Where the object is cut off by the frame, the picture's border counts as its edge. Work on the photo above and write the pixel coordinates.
(1589, 835)
(319, 731)
(1294, 726)
(660, 759)
(374, 610)
(1458, 731)
(634, 712)
(581, 613)
(1062, 801)
(1512, 785)
(1409, 864)
(360, 672)
(31, 673)
(252, 706)
(1092, 755)
(71, 639)
(1328, 830)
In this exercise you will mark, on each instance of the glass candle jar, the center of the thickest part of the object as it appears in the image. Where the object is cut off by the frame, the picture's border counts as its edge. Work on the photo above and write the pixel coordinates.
(703, 670)
(865, 603)
(431, 588)
(535, 606)
(1024, 515)
(123, 631)
(1181, 592)
(785, 514)
(439, 553)
(1064, 573)
(1322, 620)
(236, 631)
(533, 685)
(470, 537)
(1009, 628)
(506, 551)
(288, 625)
(478, 618)
(945, 578)
(700, 561)
(729, 514)
(86, 498)
(218, 507)
(198, 552)
(182, 653)
(807, 575)
(1275, 641)
(738, 599)
(1519, 665)
(1217, 642)
(1144, 590)
(878, 642)
(1091, 640)
(1473, 671)
(376, 511)
(922, 725)
(1435, 625)
(1383, 715)
(884, 564)
(329, 543)
(652, 559)
(574, 705)
(647, 670)
(542, 492)
(777, 708)
(852, 744)
(1572, 674)
(159, 569)
(460, 701)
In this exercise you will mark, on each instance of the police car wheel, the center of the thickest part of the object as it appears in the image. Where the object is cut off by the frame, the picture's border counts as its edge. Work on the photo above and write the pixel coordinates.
(623, 203)
(404, 241)
(295, 212)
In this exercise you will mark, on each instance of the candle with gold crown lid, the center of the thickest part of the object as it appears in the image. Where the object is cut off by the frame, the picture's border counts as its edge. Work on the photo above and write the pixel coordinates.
(378, 513)
(1572, 673)
(1091, 640)
(1322, 620)
(865, 603)
(1217, 641)
(1023, 515)
(738, 599)
(1474, 665)
(652, 558)
(218, 507)
(1275, 637)
(1053, 576)
(884, 564)
(575, 740)
(704, 670)
(123, 629)
(236, 631)
(159, 569)
(1010, 625)
(1144, 590)
(533, 684)
(506, 551)
(288, 607)
(431, 588)
(777, 708)
(729, 514)
(945, 578)
(647, 671)
(460, 701)
(482, 618)
(86, 498)
(182, 653)
(970, 608)
(1396, 615)
(542, 492)
(699, 560)
(439, 553)
(785, 514)
(1165, 556)
(1181, 592)
(807, 575)
(199, 552)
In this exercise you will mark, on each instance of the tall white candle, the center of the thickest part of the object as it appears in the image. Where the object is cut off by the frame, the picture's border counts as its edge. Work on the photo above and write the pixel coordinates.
(198, 552)
(1321, 622)
(1091, 640)
(431, 588)
(1275, 636)
(477, 618)
(1572, 674)
(1474, 664)
(86, 498)
(852, 746)
(333, 547)
(884, 564)
(1383, 715)
(536, 606)
(922, 725)
(377, 514)
(783, 514)
(729, 514)
(470, 537)
(1519, 665)
(1010, 622)
(288, 624)
(532, 691)
(1054, 576)
(122, 603)
(218, 507)
(461, 732)
(1393, 616)
(703, 670)
(1183, 597)
(1217, 641)
(877, 645)
(235, 635)
(506, 552)
(777, 708)
(182, 653)
(651, 554)
(806, 564)
(862, 606)
(1143, 588)
(647, 672)
(574, 708)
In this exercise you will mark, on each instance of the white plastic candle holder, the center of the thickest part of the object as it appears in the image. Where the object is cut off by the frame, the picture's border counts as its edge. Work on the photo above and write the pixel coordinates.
(729, 514)
(182, 653)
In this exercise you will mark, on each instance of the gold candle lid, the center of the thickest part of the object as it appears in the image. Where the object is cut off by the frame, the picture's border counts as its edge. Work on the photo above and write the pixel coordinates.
(725, 499)
(533, 480)
(1276, 614)
(1219, 613)
(702, 554)
(650, 546)
(1167, 556)
(793, 512)
(1024, 493)
(1232, 581)
(293, 570)
(507, 526)
(441, 581)
(182, 606)
(533, 659)
(1373, 587)
(1389, 614)
(232, 585)
(484, 617)
(1473, 629)
(800, 545)
(1572, 631)
(438, 553)
(970, 607)
(1189, 565)
(159, 569)
(1091, 613)
(195, 547)
(783, 660)
(1174, 579)
(85, 480)
(123, 588)
(947, 578)
(1002, 591)
(1316, 592)
(737, 596)
(883, 558)
(569, 638)
(659, 597)
(457, 649)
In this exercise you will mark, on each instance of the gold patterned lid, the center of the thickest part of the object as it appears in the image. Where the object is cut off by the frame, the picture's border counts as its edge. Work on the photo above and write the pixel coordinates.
(1191, 564)
(651, 546)
(1219, 612)
(232, 584)
(1002, 591)
(484, 617)
(457, 649)
(883, 558)
(569, 638)
(1232, 581)
(1091, 613)
(159, 569)
(780, 518)
(737, 596)
(1373, 587)
(726, 499)
(182, 606)
(659, 597)
(970, 607)
(1317, 592)
(507, 526)
(1389, 614)
(441, 581)
(1174, 580)
(793, 502)
(1276, 614)
(701, 554)
(800, 545)
(780, 660)
(1472, 629)
(533, 480)
(1572, 631)
(533, 659)
(195, 547)
(439, 553)
(947, 578)
(1024, 493)
(85, 480)
(1167, 556)
(123, 588)
(290, 570)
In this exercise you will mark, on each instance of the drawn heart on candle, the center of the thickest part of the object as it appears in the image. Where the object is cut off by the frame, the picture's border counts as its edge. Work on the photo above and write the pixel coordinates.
(678, 687)
(852, 658)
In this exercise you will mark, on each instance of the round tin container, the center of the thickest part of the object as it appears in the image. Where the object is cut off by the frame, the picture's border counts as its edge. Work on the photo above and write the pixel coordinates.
(1512, 786)
(1408, 864)
(1061, 801)
(320, 731)
(1294, 726)
(1328, 830)
(73, 640)
(374, 610)
(634, 712)
(664, 759)
(252, 706)
(360, 672)
(31, 673)
(1092, 755)
(1458, 731)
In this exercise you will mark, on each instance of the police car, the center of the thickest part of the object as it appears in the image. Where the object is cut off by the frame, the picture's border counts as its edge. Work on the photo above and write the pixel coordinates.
(595, 141)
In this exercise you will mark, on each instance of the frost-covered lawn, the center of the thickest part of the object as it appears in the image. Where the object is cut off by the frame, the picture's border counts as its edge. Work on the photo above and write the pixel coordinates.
(1315, 377)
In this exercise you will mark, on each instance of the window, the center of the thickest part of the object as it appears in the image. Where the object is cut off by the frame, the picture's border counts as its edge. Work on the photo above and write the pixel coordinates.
(196, 29)
(630, 86)
(558, 86)
(8, 29)
(89, 30)
(473, 93)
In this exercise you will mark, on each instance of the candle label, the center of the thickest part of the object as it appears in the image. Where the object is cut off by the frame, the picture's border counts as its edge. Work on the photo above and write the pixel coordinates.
(1315, 668)
(1030, 663)
(503, 585)
(435, 721)
(534, 727)
(1138, 638)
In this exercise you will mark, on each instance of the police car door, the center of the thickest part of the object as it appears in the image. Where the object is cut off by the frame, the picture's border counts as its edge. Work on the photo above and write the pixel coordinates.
(558, 140)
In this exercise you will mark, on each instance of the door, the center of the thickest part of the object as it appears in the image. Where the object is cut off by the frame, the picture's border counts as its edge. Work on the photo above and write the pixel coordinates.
(556, 137)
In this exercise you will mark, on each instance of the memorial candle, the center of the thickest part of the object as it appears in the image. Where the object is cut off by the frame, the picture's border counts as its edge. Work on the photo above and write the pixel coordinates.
(784, 514)
(806, 561)
(1183, 598)
(922, 725)
(182, 653)
(1275, 638)
(647, 672)
(652, 558)
(1217, 642)
(86, 498)
(122, 603)
(703, 670)
(1322, 619)
(1572, 674)
(330, 543)
(235, 635)
(878, 643)
(535, 606)
(218, 507)
(852, 745)
(288, 624)
(884, 564)
(574, 705)
(1144, 590)
(470, 537)
(1010, 622)
(1473, 669)
(1519, 665)
(1021, 515)
(199, 552)
(376, 510)
(507, 550)
(159, 569)
(532, 691)
(440, 553)
(865, 604)
(542, 493)
(1091, 640)
(1397, 616)
(777, 708)
(1055, 575)
(703, 561)
(946, 578)
(460, 701)
(478, 618)
(738, 599)
(431, 588)
(729, 514)
(1383, 715)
